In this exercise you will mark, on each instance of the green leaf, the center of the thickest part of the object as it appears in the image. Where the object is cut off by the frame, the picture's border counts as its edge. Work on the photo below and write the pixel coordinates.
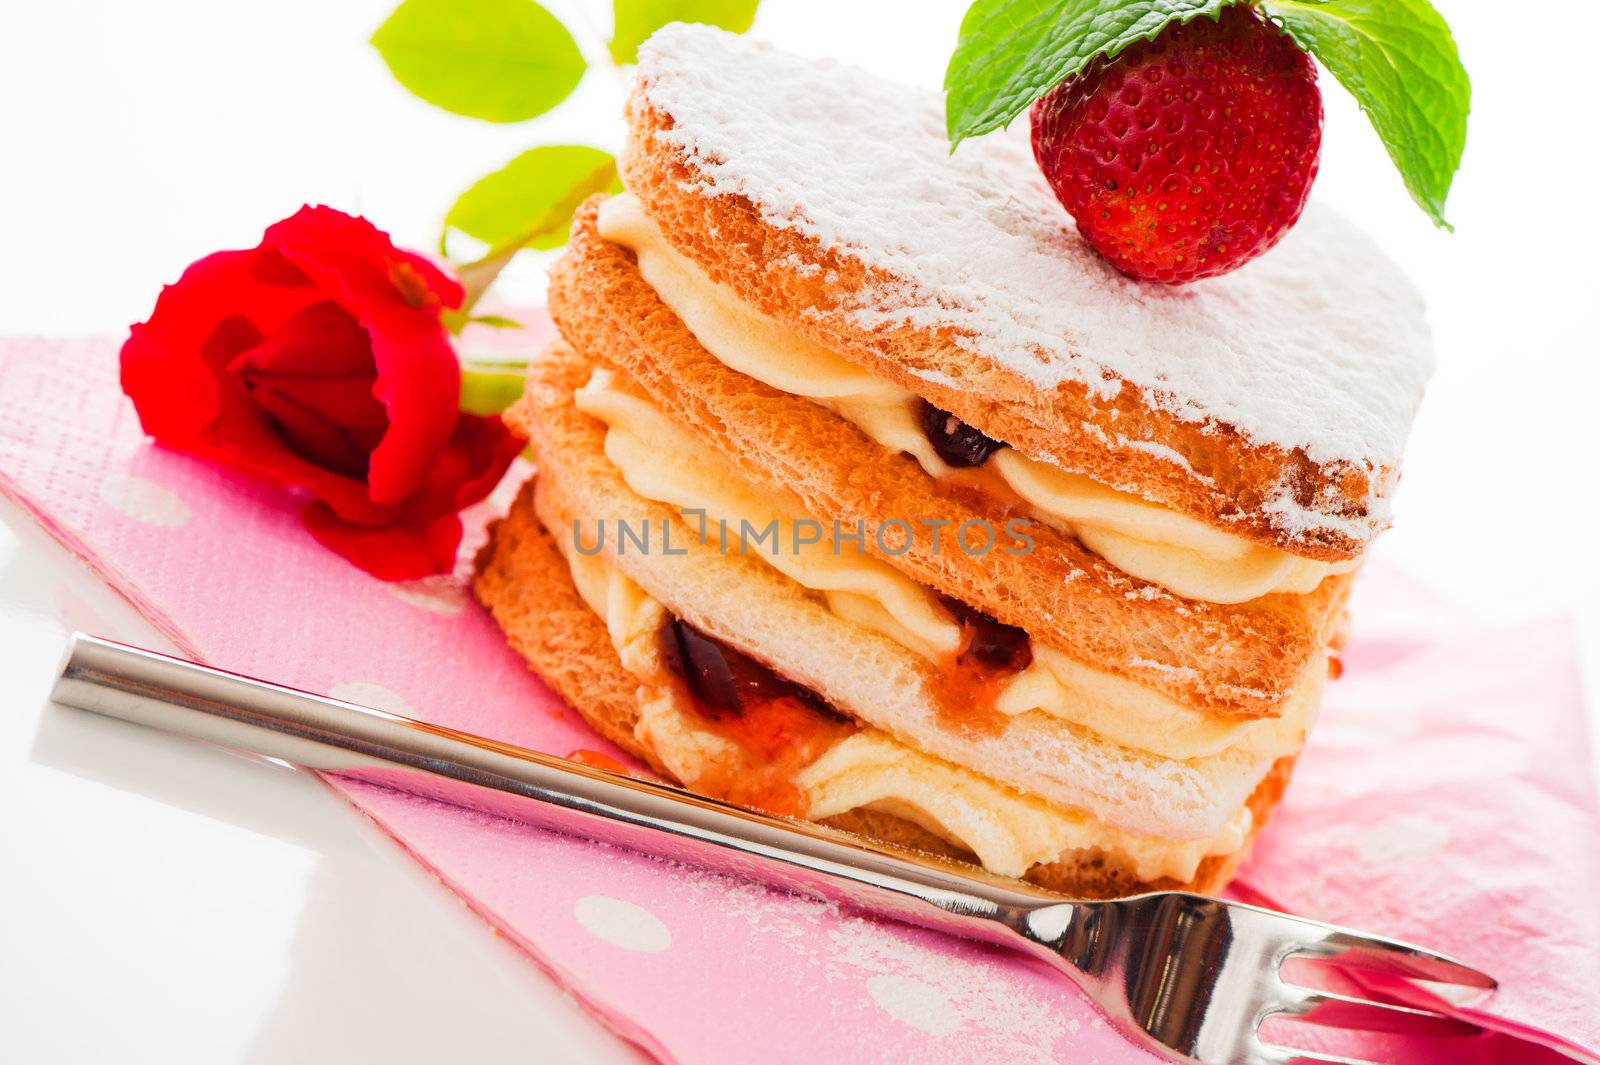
(1398, 59)
(636, 20)
(490, 387)
(500, 60)
(526, 203)
(1011, 52)
(457, 320)
(529, 201)
(494, 321)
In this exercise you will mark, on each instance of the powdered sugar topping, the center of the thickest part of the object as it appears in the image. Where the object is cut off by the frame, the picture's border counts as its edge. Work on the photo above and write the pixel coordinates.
(1319, 345)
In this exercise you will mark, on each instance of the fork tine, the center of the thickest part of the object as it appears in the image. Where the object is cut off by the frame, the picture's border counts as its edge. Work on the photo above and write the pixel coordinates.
(1330, 1010)
(1378, 954)
(1305, 938)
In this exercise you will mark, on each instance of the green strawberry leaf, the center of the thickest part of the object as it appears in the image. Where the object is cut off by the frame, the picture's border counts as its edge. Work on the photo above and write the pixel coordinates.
(529, 201)
(499, 60)
(636, 20)
(1011, 52)
(1398, 59)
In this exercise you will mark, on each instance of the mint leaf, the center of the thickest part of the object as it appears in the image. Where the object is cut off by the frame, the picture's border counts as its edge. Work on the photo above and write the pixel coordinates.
(1397, 58)
(530, 200)
(636, 20)
(1012, 52)
(500, 60)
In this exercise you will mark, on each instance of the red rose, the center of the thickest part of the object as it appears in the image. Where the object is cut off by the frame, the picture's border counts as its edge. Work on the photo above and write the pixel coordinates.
(318, 361)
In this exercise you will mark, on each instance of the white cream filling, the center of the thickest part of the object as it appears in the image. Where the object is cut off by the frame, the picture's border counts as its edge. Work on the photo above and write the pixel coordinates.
(661, 461)
(633, 619)
(1132, 715)
(1008, 831)
(1143, 539)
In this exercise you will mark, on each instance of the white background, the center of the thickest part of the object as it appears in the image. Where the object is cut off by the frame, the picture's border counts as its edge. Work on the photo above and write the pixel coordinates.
(267, 921)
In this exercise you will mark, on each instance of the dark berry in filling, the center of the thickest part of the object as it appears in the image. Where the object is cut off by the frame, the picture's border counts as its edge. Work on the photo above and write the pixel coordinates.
(958, 443)
(725, 682)
(989, 643)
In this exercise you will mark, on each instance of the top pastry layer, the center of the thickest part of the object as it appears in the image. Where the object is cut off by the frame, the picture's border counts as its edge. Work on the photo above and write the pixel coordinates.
(1274, 401)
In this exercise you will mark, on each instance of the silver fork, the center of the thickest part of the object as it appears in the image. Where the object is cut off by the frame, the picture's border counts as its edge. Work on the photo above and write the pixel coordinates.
(1189, 977)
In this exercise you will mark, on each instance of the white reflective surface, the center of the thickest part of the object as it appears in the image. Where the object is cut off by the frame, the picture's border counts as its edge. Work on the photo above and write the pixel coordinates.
(165, 902)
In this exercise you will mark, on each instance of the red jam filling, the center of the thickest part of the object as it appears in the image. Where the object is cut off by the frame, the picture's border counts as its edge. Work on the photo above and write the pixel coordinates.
(598, 760)
(778, 726)
(991, 653)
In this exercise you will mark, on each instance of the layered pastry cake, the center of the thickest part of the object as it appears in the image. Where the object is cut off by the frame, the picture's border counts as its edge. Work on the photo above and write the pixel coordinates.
(867, 493)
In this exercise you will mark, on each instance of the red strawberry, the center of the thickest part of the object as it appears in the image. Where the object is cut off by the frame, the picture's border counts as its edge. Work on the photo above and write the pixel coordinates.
(1187, 156)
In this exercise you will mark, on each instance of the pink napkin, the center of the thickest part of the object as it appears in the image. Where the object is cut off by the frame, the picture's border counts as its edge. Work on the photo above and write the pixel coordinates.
(1446, 796)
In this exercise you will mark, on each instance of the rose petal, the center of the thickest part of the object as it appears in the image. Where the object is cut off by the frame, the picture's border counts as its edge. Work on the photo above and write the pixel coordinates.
(389, 552)
(397, 296)
(316, 358)
(320, 340)
(174, 370)
(480, 451)
(313, 436)
(314, 378)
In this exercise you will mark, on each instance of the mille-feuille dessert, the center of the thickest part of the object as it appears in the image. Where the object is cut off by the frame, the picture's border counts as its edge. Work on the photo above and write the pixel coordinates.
(867, 493)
